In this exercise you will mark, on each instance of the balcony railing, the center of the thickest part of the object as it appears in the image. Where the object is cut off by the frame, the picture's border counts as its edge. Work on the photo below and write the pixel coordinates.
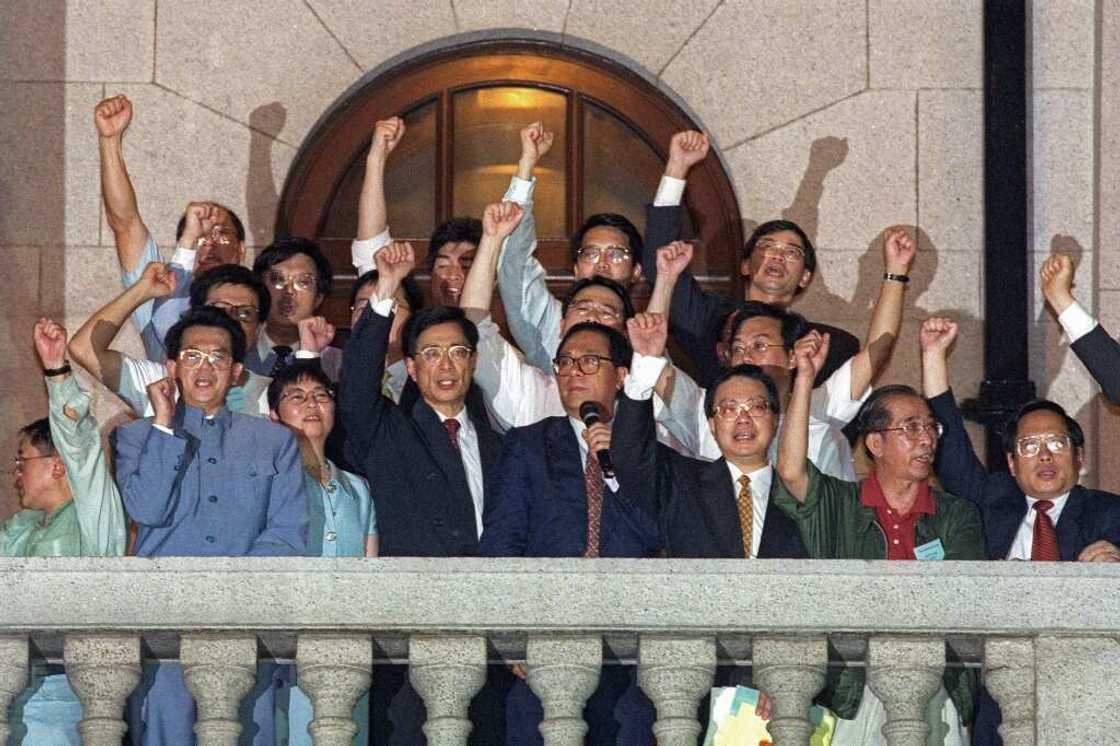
(1045, 635)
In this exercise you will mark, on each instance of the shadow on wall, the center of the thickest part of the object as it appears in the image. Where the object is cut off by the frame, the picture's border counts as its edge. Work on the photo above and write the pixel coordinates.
(261, 195)
(32, 211)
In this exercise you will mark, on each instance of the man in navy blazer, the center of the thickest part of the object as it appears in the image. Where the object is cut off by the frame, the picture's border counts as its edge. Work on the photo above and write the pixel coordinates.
(431, 468)
(1044, 449)
(557, 498)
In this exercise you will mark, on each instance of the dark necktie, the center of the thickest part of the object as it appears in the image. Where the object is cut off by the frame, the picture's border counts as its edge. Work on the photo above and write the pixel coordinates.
(282, 353)
(1044, 543)
(746, 513)
(452, 428)
(593, 484)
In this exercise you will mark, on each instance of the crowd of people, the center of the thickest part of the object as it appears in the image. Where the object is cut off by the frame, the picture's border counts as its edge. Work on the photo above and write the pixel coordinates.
(430, 434)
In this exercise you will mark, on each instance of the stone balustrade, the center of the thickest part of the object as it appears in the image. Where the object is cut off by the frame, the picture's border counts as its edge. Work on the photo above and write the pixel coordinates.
(1045, 635)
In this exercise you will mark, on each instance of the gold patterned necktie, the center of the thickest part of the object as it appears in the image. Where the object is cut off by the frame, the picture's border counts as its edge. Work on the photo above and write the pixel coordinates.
(746, 513)
(593, 483)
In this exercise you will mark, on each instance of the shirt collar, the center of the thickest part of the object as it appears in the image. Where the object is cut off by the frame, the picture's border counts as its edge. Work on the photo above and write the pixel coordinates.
(1058, 501)
(191, 419)
(761, 475)
(265, 344)
(871, 496)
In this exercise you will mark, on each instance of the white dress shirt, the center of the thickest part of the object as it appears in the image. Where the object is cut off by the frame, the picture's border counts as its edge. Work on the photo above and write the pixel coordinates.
(760, 498)
(472, 461)
(579, 427)
(1024, 539)
(831, 408)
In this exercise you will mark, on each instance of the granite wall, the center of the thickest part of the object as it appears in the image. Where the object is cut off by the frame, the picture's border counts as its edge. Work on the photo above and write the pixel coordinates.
(847, 115)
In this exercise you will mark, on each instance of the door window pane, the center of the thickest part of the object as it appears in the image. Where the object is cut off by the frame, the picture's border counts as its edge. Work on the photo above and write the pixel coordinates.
(487, 146)
(621, 171)
(410, 183)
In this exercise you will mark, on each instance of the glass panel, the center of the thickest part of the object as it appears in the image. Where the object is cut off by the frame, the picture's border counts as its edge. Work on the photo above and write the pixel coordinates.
(410, 183)
(488, 123)
(621, 171)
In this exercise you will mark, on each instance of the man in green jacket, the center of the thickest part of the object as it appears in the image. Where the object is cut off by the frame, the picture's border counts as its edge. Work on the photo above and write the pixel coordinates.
(70, 507)
(893, 514)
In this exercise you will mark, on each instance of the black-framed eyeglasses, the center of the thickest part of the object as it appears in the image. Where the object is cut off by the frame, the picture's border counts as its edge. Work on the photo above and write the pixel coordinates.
(588, 365)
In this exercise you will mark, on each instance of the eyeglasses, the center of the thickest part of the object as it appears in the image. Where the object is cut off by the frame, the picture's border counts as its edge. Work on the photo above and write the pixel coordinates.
(597, 310)
(299, 397)
(566, 365)
(243, 314)
(787, 252)
(730, 409)
(913, 429)
(433, 354)
(300, 284)
(758, 346)
(219, 235)
(218, 359)
(1030, 446)
(17, 462)
(615, 254)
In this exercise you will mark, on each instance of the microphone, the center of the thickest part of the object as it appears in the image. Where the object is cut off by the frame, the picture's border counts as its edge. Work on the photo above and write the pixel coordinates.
(592, 414)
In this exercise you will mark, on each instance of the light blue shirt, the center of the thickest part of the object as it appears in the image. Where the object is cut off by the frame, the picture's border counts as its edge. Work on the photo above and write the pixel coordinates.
(342, 514)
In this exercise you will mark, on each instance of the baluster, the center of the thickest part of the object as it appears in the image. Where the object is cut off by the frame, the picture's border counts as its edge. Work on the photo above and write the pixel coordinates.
(103, 670)
(563, 672)
(14, 657)
(904, 672)
(676, 673)
(219, 671)
(334, 672)
(791, 671)
(447, 672)
(1009, 675)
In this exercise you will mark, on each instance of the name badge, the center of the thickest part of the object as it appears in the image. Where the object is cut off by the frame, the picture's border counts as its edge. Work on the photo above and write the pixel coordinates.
(932, 550)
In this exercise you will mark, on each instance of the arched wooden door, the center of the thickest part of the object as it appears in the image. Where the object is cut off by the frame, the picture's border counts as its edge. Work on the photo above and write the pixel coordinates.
(463, 109)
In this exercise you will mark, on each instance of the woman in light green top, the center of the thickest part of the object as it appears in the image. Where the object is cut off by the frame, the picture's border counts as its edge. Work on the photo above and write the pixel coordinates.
(70, 507)
(343, 523)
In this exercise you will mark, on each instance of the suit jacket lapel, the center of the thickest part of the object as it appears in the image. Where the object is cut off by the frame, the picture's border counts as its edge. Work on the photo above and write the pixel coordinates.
(719, 508)
(1070, 536)
(439, 445)
(563, 463)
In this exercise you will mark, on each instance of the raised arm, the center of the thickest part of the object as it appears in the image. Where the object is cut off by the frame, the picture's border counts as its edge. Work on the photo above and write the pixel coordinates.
(373, 215)
(671, 260)
(886, 320)
(361, 402)
(112, 117)
(1094, 347)
(958, 468)
(90, 346)
(633, 432)
(532, 313)
(149, 458)
(793, 444)
(498, 222)
(97, 502)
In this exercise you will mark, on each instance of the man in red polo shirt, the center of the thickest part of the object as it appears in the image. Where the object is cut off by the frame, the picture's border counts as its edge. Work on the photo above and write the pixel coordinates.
(893, 514)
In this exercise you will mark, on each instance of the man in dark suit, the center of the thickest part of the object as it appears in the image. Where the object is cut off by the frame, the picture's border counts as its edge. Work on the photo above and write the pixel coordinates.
(1093, 345)
(707, 509)
(430, 468)
(1036, 511)
(555, 499)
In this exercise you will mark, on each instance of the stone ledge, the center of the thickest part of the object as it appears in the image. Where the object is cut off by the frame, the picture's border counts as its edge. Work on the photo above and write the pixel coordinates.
(557, 596)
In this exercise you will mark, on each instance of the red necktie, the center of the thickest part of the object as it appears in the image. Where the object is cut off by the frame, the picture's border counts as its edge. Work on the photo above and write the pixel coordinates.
(593, 483)
(452, 428)
(1044, 543)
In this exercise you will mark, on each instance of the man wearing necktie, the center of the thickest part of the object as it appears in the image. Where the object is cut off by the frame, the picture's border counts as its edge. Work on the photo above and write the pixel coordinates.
(431, 466)
(556, 498)
(1035, 511)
